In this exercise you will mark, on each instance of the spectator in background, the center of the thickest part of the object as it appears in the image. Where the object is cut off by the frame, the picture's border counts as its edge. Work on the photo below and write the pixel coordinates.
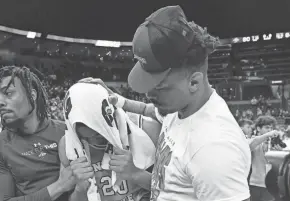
(254, 101)
(259, 111)
(29, 163)
(260, 167)
(247, 127)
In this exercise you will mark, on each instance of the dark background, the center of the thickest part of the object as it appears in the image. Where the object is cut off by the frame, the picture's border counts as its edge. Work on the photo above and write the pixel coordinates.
(118, 20)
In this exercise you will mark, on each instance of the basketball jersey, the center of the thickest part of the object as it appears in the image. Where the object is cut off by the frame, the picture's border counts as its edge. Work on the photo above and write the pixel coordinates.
(88, 104)
(127, 191)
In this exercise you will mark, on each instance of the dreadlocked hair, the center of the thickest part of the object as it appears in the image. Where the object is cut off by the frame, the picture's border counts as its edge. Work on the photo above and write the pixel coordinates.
(203, 39)
(203, 44)
(29, 81)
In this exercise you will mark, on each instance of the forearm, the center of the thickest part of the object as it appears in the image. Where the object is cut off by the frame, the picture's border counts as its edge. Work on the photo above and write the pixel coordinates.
(55, 190)
(41, 195)
(257, 141)
(137, 107)
(8, 191)
(142, 178)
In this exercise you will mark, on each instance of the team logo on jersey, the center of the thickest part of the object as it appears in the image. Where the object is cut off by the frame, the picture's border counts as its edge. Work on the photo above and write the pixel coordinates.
(162, 159)
(107, 112)
(67, 105)
(39, 149)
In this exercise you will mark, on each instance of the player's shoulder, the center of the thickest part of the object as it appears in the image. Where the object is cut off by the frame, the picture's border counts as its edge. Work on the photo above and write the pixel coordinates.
(212, 132)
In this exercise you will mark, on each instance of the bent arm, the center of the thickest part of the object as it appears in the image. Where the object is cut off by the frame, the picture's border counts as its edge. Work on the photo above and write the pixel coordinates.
(255, 142)
(8, 191)
(137, 107)
(75, 195)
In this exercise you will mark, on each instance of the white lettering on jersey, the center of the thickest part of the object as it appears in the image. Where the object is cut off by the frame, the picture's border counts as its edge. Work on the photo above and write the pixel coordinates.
(108, 188)
(97, 167)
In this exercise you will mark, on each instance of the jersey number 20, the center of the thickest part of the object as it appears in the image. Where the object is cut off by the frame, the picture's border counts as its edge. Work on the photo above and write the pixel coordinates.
(108, 190)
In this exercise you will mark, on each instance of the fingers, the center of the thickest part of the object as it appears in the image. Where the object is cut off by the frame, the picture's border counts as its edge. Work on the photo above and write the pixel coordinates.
(118, 161)
(113, 99)
(80, 165)
(87, 79)
(91, 80)
(83, 170)
(79, 160)
(277, 148)
(118, 151)
(117, 169)
(84, 176)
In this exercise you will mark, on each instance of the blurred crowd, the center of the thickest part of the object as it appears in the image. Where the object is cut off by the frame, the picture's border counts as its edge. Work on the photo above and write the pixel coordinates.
(258, 107)
(56, 92)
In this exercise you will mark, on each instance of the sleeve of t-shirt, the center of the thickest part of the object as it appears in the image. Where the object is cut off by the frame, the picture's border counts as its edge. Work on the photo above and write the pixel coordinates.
(219, 173)
(7, 188)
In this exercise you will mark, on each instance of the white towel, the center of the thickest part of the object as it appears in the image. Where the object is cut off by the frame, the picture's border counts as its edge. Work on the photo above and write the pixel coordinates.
(88, 104)
(74, 149)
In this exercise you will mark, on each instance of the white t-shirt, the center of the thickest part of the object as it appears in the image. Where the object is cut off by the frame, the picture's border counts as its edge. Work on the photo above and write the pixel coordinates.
(204, 157)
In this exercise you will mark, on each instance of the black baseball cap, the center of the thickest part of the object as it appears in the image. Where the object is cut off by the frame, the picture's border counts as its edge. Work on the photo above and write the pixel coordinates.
(161, 43)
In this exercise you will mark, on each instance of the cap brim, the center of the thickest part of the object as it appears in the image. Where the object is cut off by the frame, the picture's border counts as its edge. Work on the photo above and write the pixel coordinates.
(141, 81)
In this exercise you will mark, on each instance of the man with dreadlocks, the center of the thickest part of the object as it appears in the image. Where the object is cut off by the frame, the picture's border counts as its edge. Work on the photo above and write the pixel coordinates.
(29, 163)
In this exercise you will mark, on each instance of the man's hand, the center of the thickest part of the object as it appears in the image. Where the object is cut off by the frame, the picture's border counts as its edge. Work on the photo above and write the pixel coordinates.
(277, 148)
(122, 163)
(82, 171)
(96, 81)
(66, 178)
(273, 133)
(92, 80)
(113, 99)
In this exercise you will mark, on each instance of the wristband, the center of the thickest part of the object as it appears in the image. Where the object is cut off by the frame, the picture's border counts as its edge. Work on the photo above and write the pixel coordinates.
(121, 101)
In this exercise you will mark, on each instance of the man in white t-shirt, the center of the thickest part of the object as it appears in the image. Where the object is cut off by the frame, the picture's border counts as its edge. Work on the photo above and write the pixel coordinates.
(202, 154)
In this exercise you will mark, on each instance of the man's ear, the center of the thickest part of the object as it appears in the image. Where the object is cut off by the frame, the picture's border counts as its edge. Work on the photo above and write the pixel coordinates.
(194, 81)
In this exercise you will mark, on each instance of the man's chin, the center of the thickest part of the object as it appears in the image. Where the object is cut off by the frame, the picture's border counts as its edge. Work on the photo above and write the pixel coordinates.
(12, 123)
(165, 112)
